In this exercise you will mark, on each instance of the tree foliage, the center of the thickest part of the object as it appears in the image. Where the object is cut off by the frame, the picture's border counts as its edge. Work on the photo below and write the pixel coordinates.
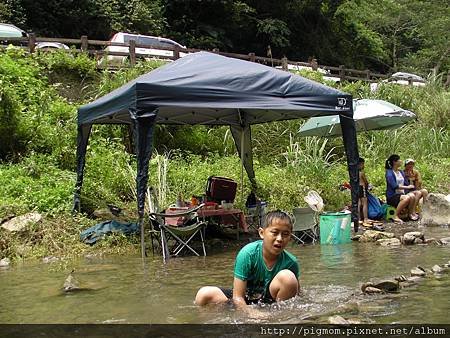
(382, 35)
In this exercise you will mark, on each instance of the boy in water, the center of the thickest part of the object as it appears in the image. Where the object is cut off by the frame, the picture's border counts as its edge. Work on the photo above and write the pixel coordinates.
(263, 270)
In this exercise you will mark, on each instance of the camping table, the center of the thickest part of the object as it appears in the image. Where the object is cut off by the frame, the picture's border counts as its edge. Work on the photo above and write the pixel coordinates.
(236, 214)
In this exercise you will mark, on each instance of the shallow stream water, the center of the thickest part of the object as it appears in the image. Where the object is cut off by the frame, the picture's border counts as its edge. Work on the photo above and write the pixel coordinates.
(128, 291)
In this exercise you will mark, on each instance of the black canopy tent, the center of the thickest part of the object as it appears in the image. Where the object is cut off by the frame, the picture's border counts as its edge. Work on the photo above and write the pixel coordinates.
(209, 89)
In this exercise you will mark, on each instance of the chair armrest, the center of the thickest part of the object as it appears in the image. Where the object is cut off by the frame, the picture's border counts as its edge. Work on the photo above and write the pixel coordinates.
(178, 214)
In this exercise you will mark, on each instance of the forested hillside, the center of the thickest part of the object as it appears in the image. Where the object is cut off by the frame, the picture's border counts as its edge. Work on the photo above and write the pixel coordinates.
(381, 35)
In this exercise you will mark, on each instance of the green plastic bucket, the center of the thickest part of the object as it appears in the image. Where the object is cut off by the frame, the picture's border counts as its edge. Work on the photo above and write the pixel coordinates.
(335, 228)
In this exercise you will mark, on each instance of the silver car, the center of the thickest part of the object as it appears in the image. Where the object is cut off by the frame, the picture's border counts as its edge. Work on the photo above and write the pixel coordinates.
(142, 52)
(8, 31)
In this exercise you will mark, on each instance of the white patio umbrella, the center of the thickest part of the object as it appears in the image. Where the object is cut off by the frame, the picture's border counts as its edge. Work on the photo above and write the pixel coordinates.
(368, 115)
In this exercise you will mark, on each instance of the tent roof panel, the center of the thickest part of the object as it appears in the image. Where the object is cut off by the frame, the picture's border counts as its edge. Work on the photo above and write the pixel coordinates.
(207, 82)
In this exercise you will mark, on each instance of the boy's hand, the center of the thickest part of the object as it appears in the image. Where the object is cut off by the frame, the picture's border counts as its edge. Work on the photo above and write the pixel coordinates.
(256, 314)
(239, 289)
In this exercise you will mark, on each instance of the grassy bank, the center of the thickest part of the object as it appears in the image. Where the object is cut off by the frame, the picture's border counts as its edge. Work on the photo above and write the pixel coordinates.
(39, 98)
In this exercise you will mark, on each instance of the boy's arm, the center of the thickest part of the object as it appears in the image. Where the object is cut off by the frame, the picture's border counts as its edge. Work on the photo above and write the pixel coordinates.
(239, 289)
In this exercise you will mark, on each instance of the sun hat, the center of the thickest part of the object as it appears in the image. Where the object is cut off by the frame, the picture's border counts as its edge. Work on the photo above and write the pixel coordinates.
(410, 160)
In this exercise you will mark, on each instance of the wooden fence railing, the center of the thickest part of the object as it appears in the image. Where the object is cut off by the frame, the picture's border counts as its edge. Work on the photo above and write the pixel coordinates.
(96, 49)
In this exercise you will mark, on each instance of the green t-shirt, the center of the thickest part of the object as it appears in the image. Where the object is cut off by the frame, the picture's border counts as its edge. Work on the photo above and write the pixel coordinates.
(250, 267)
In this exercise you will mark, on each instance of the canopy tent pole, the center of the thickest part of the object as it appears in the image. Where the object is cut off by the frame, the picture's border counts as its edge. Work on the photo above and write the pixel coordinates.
(82, 141)
(144, 126)
(243, 141)
(351, 151)
(242, 163)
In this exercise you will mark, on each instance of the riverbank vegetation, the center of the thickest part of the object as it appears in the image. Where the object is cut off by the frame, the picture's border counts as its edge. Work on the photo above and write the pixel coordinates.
(39, 96)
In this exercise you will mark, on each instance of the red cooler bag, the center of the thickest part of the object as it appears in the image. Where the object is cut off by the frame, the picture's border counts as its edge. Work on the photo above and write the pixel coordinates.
(220, 189)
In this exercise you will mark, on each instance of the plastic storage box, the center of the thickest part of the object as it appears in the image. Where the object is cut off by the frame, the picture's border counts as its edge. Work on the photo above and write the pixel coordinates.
(335, 228)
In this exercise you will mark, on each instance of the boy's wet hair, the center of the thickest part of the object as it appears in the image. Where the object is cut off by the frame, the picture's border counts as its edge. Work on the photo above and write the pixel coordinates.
(277, 214)
(361, 160)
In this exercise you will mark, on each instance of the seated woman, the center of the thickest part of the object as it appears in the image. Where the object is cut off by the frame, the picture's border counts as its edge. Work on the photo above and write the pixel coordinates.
(415, 179)
(395, 189)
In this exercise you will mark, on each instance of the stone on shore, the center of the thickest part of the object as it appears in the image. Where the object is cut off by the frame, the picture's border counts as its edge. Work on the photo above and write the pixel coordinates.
(50, 259)
(418, 272)
(20, 222)
(371, 289)
(373, 236)
(5, 262)
(388, 285)
(433, 241)
(382, 286)
(445, 240)
(436, 209)
(414, 237)
(437, 269)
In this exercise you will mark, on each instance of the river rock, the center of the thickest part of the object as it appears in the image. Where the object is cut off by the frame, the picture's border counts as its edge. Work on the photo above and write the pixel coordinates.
(20, 222)
(436, 209)
(71, 284)
(418, 272)
(7, 218)
(373, 236)
(445, 240)
(337, 320)
(50, 259)
(414, 237)
(387, 285)
(413, 280)
(401, 278)
(382, 286)
(437, 269)
(388, 242)
(371, 289)
(4, 262)
(433, 241)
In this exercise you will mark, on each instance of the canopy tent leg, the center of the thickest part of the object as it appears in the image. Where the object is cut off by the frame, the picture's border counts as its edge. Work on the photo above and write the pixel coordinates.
(242, 165)
(82, 141)
(351, 150)
(144, 127)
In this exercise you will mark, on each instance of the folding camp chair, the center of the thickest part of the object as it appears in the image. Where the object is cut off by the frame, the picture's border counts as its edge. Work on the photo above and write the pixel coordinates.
(176, 239)
(305, 225)
(255, 215)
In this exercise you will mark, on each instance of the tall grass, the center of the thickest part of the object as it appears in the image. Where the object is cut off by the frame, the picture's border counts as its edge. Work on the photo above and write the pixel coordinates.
(286, 165)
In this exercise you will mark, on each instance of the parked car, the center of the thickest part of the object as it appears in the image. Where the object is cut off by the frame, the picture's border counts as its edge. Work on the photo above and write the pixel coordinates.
(51, 45)
(402, 78)
(407, 78)
(8, 31)
(154, 41)
(325, 73)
